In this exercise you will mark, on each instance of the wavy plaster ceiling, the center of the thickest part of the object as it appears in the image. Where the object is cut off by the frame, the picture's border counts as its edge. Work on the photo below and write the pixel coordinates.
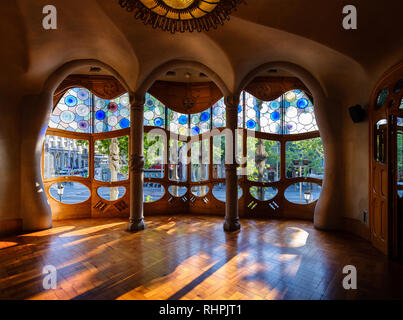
(307, 33)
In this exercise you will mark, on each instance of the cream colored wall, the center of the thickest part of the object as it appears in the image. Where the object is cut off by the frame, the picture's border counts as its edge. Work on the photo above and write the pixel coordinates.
(355, 166)
(9, 158)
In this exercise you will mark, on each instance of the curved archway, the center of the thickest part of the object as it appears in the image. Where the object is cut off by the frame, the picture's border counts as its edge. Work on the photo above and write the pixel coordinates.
(327, 208)
(173, 64)
(136, 221)
(35, 209)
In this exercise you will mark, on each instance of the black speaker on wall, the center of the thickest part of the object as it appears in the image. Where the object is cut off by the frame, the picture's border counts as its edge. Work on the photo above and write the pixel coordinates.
(357, 113)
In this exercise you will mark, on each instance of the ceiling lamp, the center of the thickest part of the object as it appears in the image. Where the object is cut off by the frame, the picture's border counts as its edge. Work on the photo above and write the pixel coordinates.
(181, 15)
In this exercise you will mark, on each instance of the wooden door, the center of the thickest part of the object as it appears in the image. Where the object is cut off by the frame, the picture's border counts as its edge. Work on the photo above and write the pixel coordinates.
(379, 192)
(386, 163)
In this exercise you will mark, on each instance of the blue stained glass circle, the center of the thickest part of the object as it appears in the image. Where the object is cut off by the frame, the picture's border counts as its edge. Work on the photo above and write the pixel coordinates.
(239, 109)
(302, 103)
(100, 103)
(124, 123)
(275, 116)
(101, 127)
(205, 116)
(251, 124)
(150, 102)
(195, 130)
(83, 94)
(67, 116)
(159, 122)
(183, 119)
(70, 101)
(100, 115)
(83, 125)
(218, 111)
(290, 126)
(275, 105)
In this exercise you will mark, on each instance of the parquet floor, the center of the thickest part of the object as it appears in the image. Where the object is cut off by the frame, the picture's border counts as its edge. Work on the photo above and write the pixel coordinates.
(187, 257)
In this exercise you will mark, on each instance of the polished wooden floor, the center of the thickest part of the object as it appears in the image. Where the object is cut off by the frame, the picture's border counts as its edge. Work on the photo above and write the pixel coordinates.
(192, 258)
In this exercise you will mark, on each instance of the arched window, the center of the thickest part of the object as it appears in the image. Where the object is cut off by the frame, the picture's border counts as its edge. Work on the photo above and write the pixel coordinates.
(284, 152)
(280, 153)
(86, 155)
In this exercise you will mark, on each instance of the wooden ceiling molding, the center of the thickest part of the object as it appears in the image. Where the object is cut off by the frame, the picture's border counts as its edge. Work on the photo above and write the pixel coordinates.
(270, 88)
(105, 87)
(186, 97)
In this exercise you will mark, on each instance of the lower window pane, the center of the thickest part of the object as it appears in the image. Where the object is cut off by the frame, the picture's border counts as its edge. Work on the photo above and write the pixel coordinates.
(65, 157)
(200, 160)
(154, 152)
(263, 160)
(177, 160)
(111, 159)
(304, 158)
(219, 157)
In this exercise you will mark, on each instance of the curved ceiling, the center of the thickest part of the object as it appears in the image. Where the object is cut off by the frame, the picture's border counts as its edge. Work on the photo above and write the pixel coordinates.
(306, 33)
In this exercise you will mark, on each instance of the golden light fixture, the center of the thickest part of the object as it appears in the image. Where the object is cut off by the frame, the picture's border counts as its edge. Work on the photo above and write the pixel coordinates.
(181, 15)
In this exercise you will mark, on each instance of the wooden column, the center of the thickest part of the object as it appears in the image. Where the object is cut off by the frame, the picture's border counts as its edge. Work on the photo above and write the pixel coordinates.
(136, 222)
(231, 180)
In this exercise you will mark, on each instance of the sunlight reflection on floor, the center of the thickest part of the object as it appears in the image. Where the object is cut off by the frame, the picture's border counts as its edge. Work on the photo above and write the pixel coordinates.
(90, 230)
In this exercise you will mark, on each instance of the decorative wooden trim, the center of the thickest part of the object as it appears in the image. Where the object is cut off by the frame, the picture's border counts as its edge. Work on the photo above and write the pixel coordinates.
(270, 88)
(186, 97)
(193, 97)
(105, 87)
(10, 227)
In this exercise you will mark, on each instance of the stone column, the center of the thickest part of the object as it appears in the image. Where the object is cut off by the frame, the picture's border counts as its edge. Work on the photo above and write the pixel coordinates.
(231, 180)
(136, 165)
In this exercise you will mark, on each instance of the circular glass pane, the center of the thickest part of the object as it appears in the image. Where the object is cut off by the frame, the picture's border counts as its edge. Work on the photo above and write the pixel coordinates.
(219, 192)
(69, 192)
(111, 194)
(200, 191)
(263, 193)
(177, 191)
(153, 192)
(303, 192)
